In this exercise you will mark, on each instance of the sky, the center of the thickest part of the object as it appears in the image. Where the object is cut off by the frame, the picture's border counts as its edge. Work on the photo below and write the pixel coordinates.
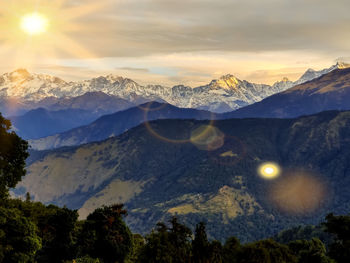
(174, 42)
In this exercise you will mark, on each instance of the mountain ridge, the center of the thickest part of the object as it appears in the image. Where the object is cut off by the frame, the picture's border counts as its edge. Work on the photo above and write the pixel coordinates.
(330, 91)
(40, 122)
(117, 123)
(224, 94)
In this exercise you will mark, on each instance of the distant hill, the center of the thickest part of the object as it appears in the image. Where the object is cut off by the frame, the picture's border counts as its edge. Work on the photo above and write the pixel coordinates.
(98, 103)
(117, 123)
(328, 92)
(41, 122)
(218, 183)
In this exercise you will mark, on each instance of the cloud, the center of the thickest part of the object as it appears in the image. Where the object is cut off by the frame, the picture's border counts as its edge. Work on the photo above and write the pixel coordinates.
(144, 27)
(343, 59)
(192, 41)
(145, 70)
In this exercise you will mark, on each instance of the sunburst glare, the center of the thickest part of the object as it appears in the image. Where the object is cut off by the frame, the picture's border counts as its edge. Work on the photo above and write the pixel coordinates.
(269, 170)
(34, 24)
(31, 29)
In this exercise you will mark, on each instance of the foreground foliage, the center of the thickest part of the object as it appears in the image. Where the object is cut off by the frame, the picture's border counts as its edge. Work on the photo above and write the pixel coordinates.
(33, 232)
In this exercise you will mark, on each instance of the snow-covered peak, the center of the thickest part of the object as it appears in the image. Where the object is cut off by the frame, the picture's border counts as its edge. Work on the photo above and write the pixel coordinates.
(18, 74)
(342, 65)
(223, 94)
(115, 78)
(228, 77)
(311, 74)
(225, 82)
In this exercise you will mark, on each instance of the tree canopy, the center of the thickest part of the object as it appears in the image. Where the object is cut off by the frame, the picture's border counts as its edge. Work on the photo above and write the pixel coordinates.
(13, 153)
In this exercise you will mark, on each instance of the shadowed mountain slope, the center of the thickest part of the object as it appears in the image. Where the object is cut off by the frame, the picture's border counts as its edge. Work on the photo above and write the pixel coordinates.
(41, 122)
(117, 123)
(218, 184)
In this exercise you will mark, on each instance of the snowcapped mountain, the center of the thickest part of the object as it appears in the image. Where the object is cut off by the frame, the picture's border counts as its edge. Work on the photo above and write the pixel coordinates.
(225, 94)
(311, 74)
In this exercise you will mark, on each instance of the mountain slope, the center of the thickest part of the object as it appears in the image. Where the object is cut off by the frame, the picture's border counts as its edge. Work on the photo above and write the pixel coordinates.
(41, 122)
(95, 102)
(328, 92)
(159, 178)
(117, 123)
(222, 95)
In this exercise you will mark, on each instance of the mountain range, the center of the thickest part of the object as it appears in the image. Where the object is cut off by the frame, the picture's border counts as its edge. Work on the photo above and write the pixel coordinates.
(223, 95)
(327, 92)
(169, 168)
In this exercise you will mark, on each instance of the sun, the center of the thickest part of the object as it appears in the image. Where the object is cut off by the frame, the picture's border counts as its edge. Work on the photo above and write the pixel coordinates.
(46, 30)
(269, 170)
(34, 24)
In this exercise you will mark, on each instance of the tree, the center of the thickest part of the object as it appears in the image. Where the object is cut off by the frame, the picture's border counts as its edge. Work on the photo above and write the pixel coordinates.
(58, 231)
(231, 250)
(200, 245)
(18, 239)
(106, 236)
(158, 248)
(57, 227)
(167, 245)
(13, 153)
(138, 243)
(180, 236)
(339, 226)
(266, 251)
(215, 252)
(85, 259)
(310, 251)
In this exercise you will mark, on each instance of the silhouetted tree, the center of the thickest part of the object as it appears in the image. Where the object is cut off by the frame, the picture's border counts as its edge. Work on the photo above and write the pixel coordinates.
(106, 236)
(59, 234)
(340, 227)
(158, 248)
(231, 250)
(28, 198)
(13, 153)
(180, 237)
(200, 245)
(167, 245)
(215, 252)
(266, 251)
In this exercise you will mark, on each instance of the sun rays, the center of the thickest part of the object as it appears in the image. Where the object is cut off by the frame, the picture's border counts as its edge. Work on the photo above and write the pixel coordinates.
(40, 29)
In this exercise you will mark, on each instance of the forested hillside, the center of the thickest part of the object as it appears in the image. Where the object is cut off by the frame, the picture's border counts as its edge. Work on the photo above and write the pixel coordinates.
(158, 170)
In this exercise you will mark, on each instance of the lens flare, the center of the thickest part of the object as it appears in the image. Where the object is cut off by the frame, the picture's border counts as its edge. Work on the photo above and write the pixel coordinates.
(269, 170)
(298, 193)
(153, 112)
(207, 138)
(34, 24)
